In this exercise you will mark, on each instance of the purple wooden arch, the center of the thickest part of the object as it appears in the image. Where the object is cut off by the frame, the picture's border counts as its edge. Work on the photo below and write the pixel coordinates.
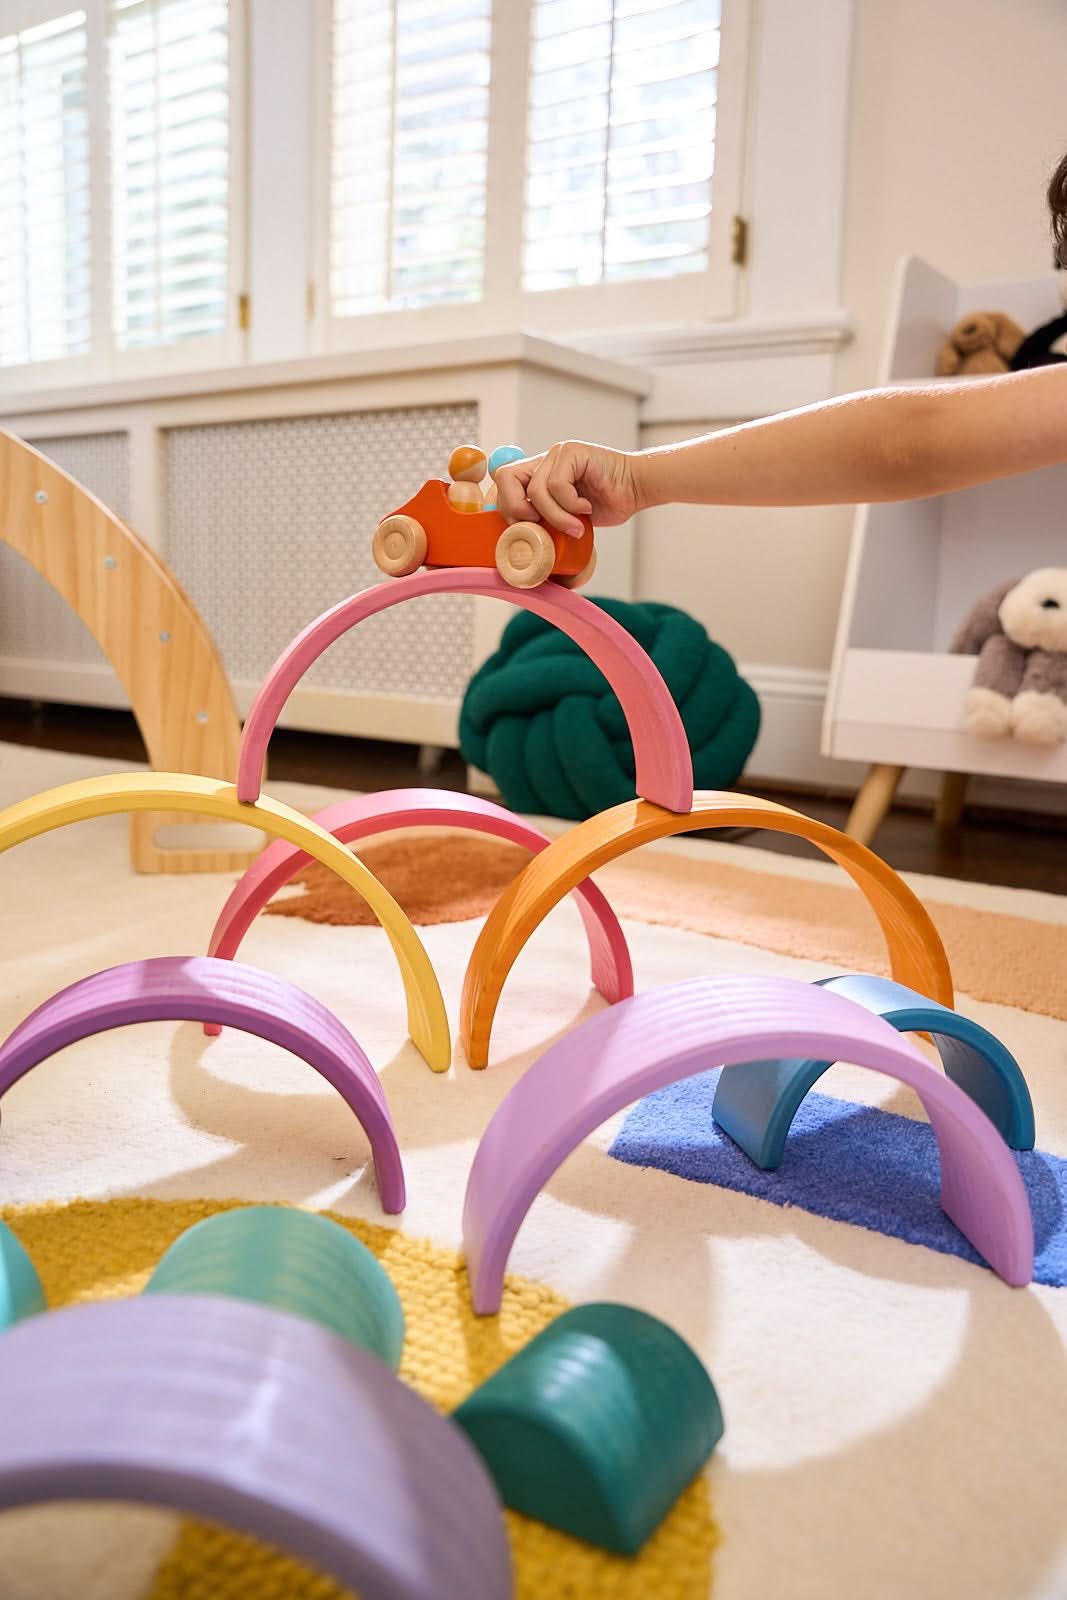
(674, 1032)
(258, 1419)
(363, 816)
(664, 767)
(199, 989)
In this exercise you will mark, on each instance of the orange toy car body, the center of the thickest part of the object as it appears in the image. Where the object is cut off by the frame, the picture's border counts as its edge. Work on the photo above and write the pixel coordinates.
(473, 539)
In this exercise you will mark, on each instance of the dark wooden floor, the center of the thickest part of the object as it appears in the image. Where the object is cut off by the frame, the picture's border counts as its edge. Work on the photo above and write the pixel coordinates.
(1019, 850)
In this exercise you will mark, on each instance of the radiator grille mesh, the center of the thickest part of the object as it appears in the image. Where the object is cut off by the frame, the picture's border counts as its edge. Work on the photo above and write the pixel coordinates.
(269, 523)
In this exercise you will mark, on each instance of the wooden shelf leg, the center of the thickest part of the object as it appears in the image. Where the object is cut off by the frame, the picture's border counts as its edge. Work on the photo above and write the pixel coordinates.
(950, 799)
(872, 802)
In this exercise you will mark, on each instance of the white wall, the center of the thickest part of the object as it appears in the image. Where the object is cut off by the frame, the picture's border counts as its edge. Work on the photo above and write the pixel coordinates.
(956, 118)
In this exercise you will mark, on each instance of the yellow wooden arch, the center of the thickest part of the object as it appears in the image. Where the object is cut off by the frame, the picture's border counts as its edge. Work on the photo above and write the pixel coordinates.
(182, 793)
(143, 621)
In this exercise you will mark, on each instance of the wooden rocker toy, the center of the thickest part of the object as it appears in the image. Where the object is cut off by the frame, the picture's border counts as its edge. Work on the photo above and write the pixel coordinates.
(152, 635)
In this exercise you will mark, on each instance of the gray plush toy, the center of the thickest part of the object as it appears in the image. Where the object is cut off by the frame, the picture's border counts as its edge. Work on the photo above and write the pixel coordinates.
(1019, 634)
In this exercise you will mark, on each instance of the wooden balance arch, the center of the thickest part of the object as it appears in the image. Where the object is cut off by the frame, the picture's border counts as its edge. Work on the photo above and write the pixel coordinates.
(146, 625)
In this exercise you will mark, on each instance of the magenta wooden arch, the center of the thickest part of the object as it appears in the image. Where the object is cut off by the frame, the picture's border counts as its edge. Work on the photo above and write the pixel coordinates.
(664, 767)
(258, 1419)
(673, 1032)
(199, 989)
(362, 816)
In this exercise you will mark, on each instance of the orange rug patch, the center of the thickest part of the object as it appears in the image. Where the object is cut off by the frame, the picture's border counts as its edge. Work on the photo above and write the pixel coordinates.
(440, 879)
(1003, 959)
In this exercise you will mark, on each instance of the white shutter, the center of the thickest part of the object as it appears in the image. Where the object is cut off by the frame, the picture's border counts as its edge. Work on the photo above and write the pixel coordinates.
(169, 108)
(44, 192)
(409, 137)
(621, 138)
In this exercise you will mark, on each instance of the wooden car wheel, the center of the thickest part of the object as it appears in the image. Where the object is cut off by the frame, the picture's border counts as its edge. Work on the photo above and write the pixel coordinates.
(525, 555)
(576, 580)
(399, 545)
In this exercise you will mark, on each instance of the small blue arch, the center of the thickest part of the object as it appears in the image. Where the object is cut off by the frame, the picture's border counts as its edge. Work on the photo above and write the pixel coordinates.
(756, 1101)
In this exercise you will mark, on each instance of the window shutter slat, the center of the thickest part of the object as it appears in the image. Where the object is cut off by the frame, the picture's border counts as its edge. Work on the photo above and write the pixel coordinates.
(169, 93)
(409, 138)
(621, 133)
(44, 192)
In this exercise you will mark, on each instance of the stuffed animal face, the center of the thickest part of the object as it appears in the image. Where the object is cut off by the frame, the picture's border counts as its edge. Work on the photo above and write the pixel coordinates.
(1034, 613)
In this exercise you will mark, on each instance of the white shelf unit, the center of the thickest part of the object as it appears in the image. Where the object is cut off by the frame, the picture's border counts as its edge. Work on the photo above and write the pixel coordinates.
(261, 487)
(917, 567)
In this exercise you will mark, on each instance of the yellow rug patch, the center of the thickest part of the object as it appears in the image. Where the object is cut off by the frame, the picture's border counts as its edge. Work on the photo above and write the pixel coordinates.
(97, 1250)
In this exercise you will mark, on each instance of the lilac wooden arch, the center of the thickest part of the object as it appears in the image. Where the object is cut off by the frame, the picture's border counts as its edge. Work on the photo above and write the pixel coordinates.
(198, 989)
(674, 1032)
(363, 816)
(161, 1400)
(664, 767)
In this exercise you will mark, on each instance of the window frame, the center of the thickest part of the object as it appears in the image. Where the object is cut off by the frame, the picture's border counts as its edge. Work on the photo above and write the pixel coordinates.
(693, 297)
(767, 345)
(104, 361)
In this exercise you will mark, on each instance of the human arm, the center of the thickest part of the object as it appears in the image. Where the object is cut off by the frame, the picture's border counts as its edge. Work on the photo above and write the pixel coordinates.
(884, 444)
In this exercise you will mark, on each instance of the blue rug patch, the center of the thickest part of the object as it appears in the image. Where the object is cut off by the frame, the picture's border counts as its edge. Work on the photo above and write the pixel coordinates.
(849, 1162)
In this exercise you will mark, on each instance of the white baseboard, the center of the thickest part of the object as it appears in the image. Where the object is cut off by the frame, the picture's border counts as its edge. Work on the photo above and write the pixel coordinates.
(365, 716)
(787, 751)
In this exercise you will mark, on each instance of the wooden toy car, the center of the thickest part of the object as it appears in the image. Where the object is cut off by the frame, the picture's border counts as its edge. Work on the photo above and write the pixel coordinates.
(444, 525)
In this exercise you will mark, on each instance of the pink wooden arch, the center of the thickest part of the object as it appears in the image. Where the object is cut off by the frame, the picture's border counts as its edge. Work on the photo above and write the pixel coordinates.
(671, 1033)
(363, 816)
(664, 767)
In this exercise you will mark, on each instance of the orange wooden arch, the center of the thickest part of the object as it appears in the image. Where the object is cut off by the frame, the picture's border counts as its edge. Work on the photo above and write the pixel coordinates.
(916, 955)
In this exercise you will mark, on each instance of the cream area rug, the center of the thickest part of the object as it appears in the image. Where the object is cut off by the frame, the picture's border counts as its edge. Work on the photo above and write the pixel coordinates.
(896, 1418)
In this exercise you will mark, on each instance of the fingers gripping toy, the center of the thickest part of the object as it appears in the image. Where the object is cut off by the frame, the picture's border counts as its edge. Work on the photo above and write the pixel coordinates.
(450, 525)
(1019, 634)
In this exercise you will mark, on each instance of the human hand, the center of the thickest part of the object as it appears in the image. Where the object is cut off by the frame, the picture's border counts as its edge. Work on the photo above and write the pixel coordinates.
(570, 480)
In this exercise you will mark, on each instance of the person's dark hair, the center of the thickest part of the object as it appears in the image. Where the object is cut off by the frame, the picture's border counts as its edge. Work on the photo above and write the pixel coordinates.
(1057, 204)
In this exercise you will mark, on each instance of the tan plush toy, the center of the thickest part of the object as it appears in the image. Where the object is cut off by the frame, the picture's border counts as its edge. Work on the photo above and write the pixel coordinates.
(1019, 634)
(981, 342)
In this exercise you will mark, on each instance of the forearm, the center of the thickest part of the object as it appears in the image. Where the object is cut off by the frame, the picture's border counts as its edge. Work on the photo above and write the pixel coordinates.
(888, 444)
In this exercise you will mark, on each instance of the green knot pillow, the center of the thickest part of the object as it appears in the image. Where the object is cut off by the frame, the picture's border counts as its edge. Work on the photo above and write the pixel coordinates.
(542, 720)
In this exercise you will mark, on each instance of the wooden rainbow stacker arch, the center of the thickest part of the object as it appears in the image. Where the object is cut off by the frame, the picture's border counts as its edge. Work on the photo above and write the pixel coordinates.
(184, 793)
(917, 956)
(143, 621)
(664, 766)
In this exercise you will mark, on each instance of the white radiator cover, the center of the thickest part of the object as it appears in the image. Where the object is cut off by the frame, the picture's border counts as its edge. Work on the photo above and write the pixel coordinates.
(261, 486)
(269, 523)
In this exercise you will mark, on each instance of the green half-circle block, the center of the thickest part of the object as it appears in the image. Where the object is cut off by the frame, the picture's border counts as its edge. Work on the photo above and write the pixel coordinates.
(597, 1425)
(21, 1294)
(295, 1261)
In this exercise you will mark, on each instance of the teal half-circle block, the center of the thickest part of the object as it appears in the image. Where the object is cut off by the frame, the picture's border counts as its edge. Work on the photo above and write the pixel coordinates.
(540, 717)
(597, 1425)
(756, 1101)
(21, 1294)
(295, 1261)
